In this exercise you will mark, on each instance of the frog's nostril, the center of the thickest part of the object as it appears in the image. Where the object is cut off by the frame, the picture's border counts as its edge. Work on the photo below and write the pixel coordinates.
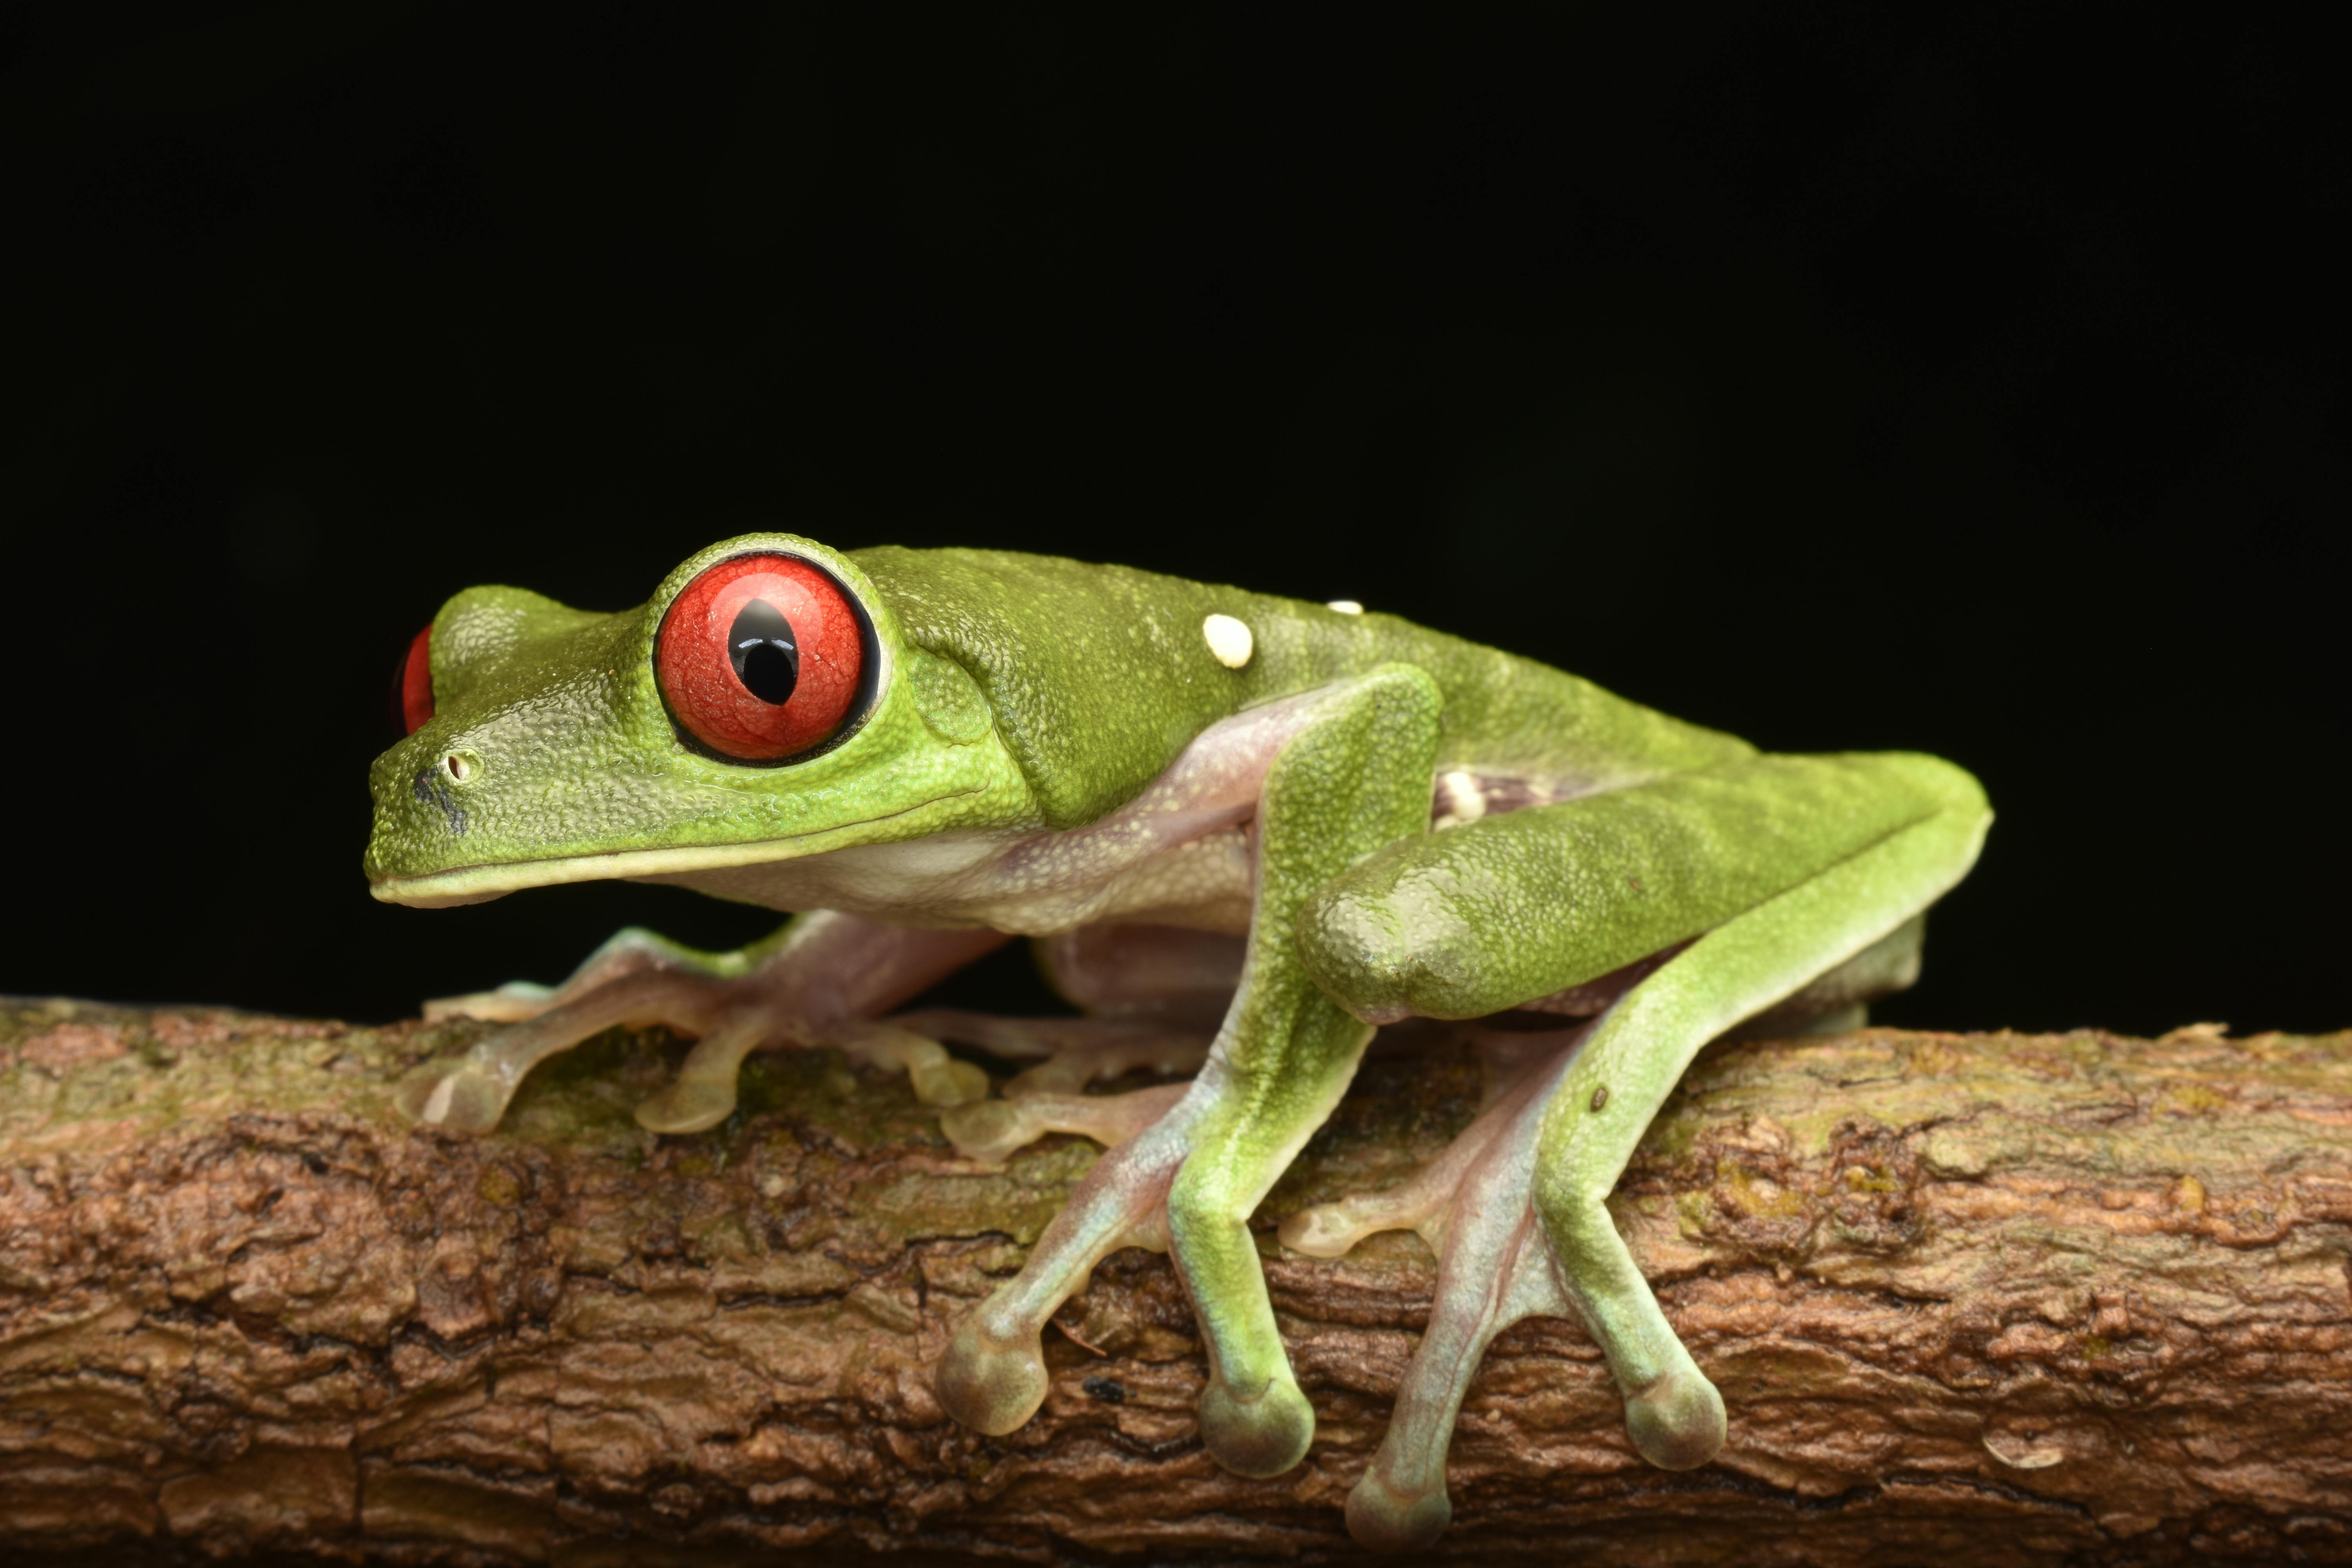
(457, 765)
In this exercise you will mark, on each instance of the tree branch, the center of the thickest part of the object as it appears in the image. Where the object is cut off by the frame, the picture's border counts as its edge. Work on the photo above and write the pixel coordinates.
(1970, 1299)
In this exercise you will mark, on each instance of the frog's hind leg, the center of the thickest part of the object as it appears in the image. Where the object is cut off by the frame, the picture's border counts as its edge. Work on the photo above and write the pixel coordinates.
(823, 980)
(1862, 845)
(1839, 1002)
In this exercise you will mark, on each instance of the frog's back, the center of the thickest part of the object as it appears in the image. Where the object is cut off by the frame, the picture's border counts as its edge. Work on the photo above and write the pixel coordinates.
(1098, 676)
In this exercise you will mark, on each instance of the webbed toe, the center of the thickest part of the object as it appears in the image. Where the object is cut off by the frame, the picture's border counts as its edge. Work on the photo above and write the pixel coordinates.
(991, 1377)
(1075, 1052)
(947, 1082)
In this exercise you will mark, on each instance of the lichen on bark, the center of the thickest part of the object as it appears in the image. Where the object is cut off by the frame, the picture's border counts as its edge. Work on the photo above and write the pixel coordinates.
(1988, 1297)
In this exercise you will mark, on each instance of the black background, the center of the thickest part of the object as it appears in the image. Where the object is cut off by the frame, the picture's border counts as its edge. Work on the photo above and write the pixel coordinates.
(1941, 378)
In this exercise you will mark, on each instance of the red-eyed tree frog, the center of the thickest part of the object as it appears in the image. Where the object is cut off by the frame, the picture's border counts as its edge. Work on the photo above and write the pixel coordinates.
(1246, 832)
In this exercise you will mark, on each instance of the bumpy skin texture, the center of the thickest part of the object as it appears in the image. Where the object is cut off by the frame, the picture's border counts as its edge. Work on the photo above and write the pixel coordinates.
(1052, 748)
(1586, 887)
(1098, 677)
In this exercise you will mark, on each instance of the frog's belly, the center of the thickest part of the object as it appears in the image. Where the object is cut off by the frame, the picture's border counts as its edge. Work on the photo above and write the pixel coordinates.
(975, 880)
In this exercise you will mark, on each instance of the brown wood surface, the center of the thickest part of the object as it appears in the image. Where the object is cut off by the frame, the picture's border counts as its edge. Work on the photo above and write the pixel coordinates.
(1970, 1299)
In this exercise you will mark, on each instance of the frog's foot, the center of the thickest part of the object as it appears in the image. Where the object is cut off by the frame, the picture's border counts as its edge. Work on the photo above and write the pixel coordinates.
(1077, 1051)
(630, 951)
(819, 981)
(469, 1093)
(1496, 1265)
(993, 1375)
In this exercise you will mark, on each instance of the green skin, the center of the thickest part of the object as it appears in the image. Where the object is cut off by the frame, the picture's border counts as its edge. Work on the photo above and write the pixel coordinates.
(1056, 749)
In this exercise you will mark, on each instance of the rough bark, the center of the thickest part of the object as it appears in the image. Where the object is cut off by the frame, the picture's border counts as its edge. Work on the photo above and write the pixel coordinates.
(1970, 1299)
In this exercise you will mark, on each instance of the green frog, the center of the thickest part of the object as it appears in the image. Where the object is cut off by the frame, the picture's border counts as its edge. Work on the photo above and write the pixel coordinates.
(1246, 832)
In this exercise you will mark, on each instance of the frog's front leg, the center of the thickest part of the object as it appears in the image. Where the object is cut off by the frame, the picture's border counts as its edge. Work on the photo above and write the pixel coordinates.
(632, 949)
(1354, 776)
(824, 979)
(1797, 874)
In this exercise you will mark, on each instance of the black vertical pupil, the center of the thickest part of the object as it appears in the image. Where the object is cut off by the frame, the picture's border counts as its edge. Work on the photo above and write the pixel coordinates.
(765, 654)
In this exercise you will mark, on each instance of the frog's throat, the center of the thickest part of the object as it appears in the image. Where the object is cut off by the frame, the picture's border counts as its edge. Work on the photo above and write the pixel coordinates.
(480, 884)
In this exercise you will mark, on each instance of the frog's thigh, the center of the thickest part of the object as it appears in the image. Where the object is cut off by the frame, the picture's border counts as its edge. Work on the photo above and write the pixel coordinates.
(1487, 916)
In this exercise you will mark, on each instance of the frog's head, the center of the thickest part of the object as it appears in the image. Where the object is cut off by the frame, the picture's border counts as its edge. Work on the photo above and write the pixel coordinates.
(762, 705)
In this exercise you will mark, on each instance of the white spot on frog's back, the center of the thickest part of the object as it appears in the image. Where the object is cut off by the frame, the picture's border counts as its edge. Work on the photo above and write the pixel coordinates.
(1345, 606)
(1229, 640)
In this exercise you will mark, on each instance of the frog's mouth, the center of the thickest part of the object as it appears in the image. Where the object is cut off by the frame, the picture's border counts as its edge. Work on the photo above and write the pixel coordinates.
(480, 884)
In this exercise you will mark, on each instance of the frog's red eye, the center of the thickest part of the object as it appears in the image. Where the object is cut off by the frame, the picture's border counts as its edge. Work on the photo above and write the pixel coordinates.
(762, 657)
(416, 682)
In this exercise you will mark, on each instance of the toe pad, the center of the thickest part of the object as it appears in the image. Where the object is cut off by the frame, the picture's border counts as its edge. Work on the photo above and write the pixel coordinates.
(989, 1386)
(1386, 1519)
(455, 1096)
(1261, 1437)
(989, 1130)
(1677, 1422)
